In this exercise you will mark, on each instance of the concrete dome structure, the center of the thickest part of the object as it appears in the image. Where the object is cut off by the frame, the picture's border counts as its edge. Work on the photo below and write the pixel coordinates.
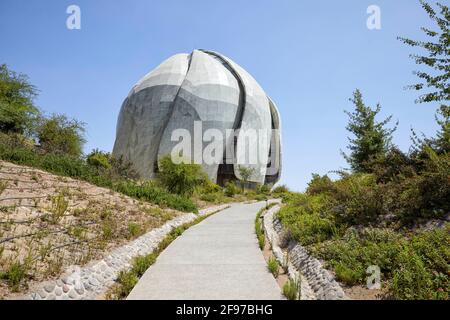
(203, 88)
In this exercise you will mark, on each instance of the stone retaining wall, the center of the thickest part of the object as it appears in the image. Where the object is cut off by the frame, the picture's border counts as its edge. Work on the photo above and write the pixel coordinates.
(92, 280)
(316, 282)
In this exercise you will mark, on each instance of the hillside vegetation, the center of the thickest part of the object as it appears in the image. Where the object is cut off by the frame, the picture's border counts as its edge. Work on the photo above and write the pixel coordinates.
(391, 209)
(356, 222)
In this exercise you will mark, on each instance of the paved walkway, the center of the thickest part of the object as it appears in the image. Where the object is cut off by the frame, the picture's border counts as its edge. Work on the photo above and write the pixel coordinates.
(218, 258)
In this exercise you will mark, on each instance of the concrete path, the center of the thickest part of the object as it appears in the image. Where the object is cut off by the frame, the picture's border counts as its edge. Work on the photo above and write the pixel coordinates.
(218, 258)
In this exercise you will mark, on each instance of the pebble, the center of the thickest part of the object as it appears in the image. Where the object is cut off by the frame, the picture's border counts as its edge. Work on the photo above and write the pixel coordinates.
(72, 294)
(79, 290)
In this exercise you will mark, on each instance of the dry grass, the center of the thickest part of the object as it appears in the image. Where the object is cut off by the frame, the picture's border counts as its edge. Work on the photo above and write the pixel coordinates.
(48, 223)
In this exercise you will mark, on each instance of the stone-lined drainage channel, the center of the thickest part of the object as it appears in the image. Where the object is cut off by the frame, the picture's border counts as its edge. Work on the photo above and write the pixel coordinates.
(93, 280)
(316, 283)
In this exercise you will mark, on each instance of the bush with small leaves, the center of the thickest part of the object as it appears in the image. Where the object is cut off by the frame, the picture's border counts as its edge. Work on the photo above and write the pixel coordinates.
(142, 263)
(99, 159)
(127, 281)
(291, 289)
(263, 189)
(107, 230)
(61, 135)
(259, 231)
(17, 111)
(134, 229)
(180, 178)
(15, 275)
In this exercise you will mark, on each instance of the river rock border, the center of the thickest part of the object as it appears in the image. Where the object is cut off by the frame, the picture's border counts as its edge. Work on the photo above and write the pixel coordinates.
(91, 281)
(316, 282)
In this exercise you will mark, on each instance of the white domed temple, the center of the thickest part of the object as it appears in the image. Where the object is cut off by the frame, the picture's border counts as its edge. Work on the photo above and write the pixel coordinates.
(202, 91)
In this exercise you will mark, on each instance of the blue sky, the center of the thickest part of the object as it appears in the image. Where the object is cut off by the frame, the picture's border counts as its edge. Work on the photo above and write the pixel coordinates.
(309, 56)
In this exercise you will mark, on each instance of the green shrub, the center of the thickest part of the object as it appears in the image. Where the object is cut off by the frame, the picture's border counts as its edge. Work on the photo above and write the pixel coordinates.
(432, 247)
(216, 197)
(388, 167)
(356, 199)
(209, 187)
(126, 280)
(65, 166)
(260, 197)
(291, 289)
(59, 207)
(406, 190)
(320, 184)
(259, 231)
(307, 220)
(411, 280)
(107, 230)
(263, 189)
(347, 275)
(350, 257)
(210, 192)
(142, 263)
(426, 194)
(273, 266)
(280, 189)
(134, 229)
(149, 191)
(17, 111)
(261, 241)
(15, 275)
(422, 270)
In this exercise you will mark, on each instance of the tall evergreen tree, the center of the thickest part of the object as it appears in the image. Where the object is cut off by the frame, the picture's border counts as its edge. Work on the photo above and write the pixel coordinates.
(436, 57)
(371, 139)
